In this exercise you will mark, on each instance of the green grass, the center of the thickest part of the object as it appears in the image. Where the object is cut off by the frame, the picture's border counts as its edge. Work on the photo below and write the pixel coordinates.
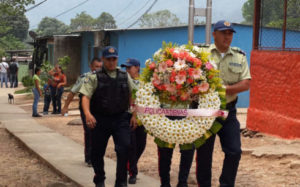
(25, 90)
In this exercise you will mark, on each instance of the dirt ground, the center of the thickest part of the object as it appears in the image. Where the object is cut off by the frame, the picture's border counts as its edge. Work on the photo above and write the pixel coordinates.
(253, 171)
(21, 168)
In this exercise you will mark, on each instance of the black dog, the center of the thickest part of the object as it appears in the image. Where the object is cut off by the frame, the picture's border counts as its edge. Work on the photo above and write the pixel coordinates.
(11, 98)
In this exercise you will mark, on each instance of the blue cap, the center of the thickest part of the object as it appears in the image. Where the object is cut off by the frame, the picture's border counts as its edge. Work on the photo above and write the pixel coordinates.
(131, 62)
(109, 52)
(223, 25)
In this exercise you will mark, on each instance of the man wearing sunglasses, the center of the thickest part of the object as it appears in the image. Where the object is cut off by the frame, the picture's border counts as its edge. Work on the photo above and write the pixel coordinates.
(105, 102)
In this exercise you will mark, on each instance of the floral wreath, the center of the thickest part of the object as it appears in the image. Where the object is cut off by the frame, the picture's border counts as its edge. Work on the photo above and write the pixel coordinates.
(177, 77)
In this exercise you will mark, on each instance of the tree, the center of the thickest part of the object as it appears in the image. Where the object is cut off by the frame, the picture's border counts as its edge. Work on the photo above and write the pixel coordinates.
(162, 18)
(272, 13)
(82, 21)
(49, 26)
(13, 24)
(17, 25)
(105, 21)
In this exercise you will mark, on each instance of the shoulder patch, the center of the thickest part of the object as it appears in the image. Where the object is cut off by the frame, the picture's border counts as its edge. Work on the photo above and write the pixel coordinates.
(237, 49)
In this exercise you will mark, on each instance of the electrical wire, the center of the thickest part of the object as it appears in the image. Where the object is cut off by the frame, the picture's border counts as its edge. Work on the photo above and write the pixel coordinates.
(146, 12)
(64, 12)
(71, 8)
(134, 13)
(35, 6)
(124, 9)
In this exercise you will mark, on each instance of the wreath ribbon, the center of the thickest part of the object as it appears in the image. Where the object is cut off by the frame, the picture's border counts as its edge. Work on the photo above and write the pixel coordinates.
(203, 112)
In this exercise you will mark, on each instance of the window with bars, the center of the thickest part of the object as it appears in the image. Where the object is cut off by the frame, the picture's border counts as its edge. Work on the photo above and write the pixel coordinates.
(277, 25)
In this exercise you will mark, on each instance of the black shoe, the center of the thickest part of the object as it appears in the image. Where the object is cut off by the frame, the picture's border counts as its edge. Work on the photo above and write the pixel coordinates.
(132, 179)
(54, 112)
(100, 184)
(165, 185)
(121, 184)
(36, 115)
(182, 185)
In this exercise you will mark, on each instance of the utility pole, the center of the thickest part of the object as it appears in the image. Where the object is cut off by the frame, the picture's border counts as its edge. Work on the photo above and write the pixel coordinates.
(204, 12)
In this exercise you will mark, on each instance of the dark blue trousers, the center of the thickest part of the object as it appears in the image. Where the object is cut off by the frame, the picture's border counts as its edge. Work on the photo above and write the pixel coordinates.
(231, 146)
(138, 139)
(87, 134)
(118, 127)
(56, 94)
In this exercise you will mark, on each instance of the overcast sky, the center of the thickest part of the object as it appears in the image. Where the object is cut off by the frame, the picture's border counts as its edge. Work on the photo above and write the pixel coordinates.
(126, 12)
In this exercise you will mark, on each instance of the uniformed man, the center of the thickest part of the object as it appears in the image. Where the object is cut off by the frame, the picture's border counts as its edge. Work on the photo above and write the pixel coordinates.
(95, 65)
(105, 102)
(138, 136)
(234, 71)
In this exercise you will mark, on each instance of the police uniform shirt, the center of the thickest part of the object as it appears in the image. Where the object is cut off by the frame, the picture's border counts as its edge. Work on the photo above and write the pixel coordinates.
(233, 66)
(76, 87)
(90, 83)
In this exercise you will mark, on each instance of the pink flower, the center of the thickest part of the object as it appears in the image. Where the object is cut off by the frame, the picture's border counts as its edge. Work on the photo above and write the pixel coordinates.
(171, 88)
(162, 67)
(197, 73)
(156, 80)
(178, 86)
(180, 79)
(203, 87)
(152, 66)
(169, 63)
(209, 66)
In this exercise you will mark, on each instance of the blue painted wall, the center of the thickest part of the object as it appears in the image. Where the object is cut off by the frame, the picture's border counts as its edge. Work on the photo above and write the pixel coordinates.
(87, 40)
(142, 43)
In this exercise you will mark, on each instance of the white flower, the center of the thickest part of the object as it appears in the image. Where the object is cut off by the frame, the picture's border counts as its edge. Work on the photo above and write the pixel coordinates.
(196, 48)
(180, 64)
(213, 63)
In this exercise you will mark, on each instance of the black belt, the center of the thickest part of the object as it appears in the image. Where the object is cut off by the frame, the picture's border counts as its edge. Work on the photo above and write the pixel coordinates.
(231, 104)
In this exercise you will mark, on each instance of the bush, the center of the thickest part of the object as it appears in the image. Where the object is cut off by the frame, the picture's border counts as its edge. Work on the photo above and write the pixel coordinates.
(27, 81)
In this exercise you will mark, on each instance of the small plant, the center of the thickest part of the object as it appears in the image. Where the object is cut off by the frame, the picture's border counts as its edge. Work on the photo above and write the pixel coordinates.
(64, 62)
(27, 81)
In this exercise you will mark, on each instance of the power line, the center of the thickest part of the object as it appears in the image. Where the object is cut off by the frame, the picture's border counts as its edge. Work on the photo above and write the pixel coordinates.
(64, 12)
(135, 13)
(71, 8)
(155, 1)
(124, 9)
(35, 6)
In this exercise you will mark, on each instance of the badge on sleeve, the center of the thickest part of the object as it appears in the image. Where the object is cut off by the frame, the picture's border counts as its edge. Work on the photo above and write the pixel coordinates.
(86, 79)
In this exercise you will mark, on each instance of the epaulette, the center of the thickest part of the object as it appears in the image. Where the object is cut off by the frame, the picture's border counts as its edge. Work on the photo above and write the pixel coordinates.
(203, 45)
(238, 50)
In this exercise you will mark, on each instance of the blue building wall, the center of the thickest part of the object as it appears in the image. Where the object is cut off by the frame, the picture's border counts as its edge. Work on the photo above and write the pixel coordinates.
(87, 44)
(142, 43)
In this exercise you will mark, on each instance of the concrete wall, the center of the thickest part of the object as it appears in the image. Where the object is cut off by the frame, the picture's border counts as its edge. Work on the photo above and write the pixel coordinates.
(69, 46)
(274, 97)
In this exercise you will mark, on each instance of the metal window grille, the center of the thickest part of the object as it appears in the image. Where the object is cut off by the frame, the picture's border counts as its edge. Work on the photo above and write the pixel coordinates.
(277, 25)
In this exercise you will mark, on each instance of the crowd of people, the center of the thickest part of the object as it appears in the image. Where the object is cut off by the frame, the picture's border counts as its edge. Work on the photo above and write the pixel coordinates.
(105, 98)
(53, 90)
(9, 73)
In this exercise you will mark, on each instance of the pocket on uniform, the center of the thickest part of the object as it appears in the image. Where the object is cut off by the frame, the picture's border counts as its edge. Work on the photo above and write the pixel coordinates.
(235, 74)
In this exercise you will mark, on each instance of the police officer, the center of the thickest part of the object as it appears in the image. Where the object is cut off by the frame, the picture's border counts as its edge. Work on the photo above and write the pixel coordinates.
(106, 99)
(95, 65)
(234, 72)
(138, 136)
